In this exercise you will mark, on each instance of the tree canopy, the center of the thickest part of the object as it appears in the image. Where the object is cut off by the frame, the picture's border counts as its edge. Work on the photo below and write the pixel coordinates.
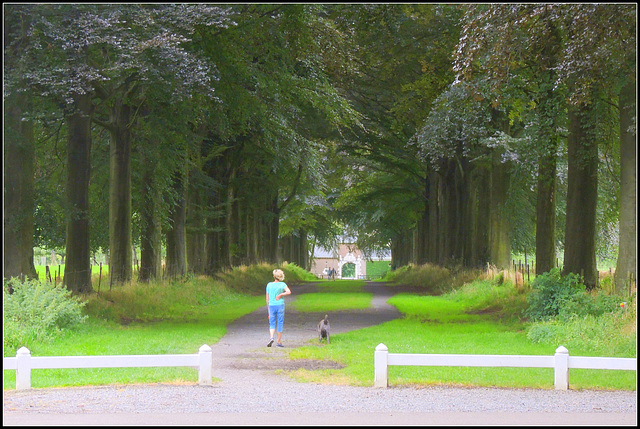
(211, 135)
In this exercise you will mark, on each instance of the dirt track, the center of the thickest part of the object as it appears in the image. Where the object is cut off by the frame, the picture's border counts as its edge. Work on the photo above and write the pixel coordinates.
(244, 345)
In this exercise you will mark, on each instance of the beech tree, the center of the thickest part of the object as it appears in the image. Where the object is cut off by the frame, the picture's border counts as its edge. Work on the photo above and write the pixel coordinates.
(405, 55)
(565, 54)
(261, 145)
(19, 149)
(253, 132)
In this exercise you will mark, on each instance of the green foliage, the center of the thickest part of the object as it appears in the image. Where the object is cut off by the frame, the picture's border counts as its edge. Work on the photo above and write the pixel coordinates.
(588, 304)
(610, 333)
(550, 293)
(429, 277)
(377, 269)
(502, 300)
(252, 279)
(296, 274)
(167, 300)
(37, 312)
(147, 302)
(565, 313)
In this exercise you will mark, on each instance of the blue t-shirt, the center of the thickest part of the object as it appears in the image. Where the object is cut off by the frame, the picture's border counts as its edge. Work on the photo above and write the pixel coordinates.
(274, 289)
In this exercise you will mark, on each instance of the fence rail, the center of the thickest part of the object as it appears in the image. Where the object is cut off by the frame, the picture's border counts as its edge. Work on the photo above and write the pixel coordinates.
(560, 362)
(23, 363)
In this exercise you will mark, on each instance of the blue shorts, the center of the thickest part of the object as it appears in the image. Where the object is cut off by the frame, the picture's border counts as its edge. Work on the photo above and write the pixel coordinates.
(276, 313)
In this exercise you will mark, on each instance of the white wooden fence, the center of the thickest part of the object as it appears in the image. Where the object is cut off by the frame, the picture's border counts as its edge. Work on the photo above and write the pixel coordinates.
(561, 362)
(23, 363)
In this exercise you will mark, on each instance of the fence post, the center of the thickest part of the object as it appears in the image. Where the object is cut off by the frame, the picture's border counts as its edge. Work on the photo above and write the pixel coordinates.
(561, 368)
(381, 366)
(206, 362)
(23, 369)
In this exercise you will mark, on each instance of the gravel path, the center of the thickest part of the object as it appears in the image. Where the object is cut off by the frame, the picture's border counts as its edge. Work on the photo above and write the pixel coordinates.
(250, 383)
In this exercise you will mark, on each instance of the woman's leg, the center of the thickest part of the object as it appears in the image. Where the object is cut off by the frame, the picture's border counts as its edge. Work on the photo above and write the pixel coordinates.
(280, 322)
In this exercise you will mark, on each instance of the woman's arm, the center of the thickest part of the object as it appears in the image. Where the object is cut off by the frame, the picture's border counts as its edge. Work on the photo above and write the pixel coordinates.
(287, 291)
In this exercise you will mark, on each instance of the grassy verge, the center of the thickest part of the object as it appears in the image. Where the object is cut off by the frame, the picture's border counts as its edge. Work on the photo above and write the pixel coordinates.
(100, 337)
(167, 317)
(480, 318)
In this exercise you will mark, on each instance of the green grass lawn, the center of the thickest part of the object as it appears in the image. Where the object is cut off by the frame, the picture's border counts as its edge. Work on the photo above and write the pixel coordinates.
(443, 326)
(466, 323)
(204, 326)
(336, 295)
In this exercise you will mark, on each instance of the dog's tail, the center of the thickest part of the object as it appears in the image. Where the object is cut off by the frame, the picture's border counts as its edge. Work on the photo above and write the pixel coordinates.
(326, 319)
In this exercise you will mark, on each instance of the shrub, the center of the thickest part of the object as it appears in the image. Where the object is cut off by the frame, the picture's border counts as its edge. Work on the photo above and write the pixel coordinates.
(37, 311)
(252, 279)
(608, 334)
(588, 304)
(295, 274)
(432, 278)
(543, 332)
(550, 292)
(429, 277)
(156, 300)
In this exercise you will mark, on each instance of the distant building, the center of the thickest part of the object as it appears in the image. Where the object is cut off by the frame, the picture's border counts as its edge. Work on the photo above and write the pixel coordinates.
(347, 260)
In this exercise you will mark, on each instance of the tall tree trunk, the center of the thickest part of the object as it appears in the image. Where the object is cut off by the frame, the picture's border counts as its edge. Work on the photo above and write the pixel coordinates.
(582, 198)
(546, 213)
(120, 268)
(214, 242)
(499, 230)
(423, 232)
(448, 222)
(176, 244)
(19, 161)
(434, 203)
(150, 223)
(273, 245)
(252, 234)
(304, 250)
(195, 231)
(480, 237)
(627, 262)
(230, 242)
(551, 119)
(77, 272)
(400, 250)
(464, 213)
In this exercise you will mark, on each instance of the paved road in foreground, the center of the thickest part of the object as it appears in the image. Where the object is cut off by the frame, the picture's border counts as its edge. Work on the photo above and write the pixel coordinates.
(325, 419)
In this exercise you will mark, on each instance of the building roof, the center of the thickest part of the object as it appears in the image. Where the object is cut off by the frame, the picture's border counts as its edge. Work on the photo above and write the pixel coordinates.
(320, 252)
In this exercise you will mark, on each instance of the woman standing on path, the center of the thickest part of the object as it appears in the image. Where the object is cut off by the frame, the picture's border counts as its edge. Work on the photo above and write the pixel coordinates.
(276, 290)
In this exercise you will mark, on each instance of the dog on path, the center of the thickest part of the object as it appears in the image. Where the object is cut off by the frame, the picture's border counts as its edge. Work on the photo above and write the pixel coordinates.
(323, 329)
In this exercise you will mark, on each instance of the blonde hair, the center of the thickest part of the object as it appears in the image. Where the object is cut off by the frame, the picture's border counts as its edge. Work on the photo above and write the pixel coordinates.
(278, 275)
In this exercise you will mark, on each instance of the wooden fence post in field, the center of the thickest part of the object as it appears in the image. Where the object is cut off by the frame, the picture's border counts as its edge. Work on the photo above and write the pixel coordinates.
(47, 274)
